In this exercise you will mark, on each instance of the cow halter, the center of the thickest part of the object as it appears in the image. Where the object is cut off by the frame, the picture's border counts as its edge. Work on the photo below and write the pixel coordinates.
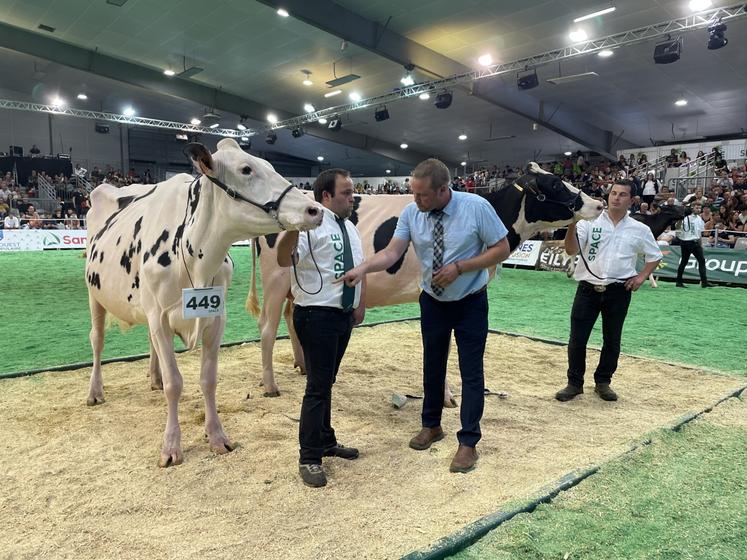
(272, 208)
(540, 197)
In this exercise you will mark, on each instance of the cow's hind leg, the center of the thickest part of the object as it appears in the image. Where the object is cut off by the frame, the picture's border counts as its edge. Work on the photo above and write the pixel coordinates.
(156, 381)
(269, 320)
(298, 358)
(98, 316)
(163, 339)
(211, 337)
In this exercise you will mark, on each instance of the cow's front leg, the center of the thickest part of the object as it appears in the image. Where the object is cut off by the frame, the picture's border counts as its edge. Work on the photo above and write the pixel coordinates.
(449, 400)
(163, 340)
(156, 381)
(269, 320)
(211, 337)
(298, 358)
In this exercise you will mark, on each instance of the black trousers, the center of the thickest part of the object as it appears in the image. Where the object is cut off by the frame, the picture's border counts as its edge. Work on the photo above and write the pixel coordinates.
(587, 305)
(692, 248)
(468, 318)
(324, 333)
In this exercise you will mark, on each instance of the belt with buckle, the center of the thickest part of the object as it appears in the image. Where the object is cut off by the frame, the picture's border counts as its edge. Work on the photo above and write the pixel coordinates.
(601, 288)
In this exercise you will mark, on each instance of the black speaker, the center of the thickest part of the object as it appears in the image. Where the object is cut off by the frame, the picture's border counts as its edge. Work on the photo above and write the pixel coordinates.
(668, 51)
(443, 100)
(271, 138)
(335, 124)
(102, 128)
(16, 151)
(528, 81)
(381, 114)
(297, 132)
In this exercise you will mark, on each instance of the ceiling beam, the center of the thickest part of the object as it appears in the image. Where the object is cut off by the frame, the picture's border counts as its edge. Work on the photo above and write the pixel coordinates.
(375, 37)
(94, 62)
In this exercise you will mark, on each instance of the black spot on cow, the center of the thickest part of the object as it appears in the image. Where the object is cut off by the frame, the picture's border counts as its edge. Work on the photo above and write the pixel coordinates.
(190, 249)
(177, 238)
(356, 205)
(164, 260)
(194, 197)
(271, 239)
(125, 201)
(101, 257)
(94, 254)
(126, 262)
(200, 255)
(163, 237)
(129, 298)
(382, 237)
(94, 279)
(138, 224)
(136, 283)
(139, 245)
(145, 257)
(118, 240)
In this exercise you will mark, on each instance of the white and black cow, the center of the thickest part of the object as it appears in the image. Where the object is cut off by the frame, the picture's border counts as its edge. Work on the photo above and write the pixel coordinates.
(537, 201)
(148, 242)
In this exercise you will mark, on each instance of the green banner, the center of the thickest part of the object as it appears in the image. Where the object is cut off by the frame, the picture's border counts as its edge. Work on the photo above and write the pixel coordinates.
(722, 265)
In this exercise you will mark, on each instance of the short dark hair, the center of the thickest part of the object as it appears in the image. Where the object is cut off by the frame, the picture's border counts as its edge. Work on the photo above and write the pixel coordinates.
(435, 171)
(624, 183)
(326, 180)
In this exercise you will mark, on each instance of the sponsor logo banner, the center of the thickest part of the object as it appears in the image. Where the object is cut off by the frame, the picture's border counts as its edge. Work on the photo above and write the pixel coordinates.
(525, 254)
(20, 240)
(553, 257)
(722, 265)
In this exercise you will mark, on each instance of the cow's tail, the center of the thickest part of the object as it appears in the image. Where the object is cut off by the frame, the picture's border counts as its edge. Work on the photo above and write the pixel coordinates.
(252, 301)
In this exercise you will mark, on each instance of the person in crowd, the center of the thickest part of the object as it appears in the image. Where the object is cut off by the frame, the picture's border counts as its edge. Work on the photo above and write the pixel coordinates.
(690, 235)
(651, 188)
(11, 221)
(609, 247)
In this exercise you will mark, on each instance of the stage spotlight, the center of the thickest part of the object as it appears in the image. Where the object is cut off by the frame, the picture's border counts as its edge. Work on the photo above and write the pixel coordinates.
(335, 123)
(668, 51)
(271, 138)
(297, 132)
(443, 100)
(716, 38)
(381, 114)
(527, 81)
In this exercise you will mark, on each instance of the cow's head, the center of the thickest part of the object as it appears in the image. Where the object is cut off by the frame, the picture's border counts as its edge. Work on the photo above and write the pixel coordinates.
(255, 197)
(669, 215)
(551, 202)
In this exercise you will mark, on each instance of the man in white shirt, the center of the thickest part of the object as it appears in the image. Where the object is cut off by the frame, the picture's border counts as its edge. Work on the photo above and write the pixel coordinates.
(11, 220)
(324, 314)
(690, 234)
(607, 276)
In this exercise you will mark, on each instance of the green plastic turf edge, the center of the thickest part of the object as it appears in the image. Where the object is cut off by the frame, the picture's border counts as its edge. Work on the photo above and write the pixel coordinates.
(135, 357)
(458, 541)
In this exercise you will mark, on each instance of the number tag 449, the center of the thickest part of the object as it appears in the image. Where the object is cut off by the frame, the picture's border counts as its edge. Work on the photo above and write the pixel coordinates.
(203, 302)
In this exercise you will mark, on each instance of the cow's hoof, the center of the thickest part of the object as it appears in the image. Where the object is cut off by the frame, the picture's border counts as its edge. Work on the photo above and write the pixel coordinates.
(221, 445)
(451, 403)
(271, 393)
(300, 367)
(93, 400)
(156, 386)
(170, 458)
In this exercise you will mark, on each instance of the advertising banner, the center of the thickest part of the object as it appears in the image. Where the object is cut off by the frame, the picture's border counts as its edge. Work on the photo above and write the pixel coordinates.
(525, 254)
(722, 265)
(20, 240)
(553, 257)
(62, 238)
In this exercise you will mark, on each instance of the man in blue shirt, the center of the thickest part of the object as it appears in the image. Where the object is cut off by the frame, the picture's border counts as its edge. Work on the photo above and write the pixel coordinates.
(457, 237)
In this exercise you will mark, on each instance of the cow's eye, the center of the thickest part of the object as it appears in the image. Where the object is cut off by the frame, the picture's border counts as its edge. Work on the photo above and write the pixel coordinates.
(246, 170)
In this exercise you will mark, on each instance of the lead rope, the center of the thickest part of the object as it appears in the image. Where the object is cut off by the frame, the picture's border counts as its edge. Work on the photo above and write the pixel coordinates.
(581, 254)
(313, 259)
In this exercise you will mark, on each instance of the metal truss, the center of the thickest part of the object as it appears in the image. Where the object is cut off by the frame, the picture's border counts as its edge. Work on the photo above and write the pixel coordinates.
(113, 117)
(635, 36)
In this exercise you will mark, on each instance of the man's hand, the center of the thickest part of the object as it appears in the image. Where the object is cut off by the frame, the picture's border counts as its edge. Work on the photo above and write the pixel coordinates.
(359, 313)
(445, 275)
(634, 283)
(353, 276)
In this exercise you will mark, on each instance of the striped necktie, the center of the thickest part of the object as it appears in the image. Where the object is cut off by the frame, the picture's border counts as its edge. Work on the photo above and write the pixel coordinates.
(438, 246)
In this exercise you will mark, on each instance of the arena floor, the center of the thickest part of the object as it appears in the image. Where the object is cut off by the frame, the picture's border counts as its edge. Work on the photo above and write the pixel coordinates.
(83, 482)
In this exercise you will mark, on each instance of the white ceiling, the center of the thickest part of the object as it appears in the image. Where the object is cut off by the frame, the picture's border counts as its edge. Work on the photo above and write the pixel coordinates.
(247, 49)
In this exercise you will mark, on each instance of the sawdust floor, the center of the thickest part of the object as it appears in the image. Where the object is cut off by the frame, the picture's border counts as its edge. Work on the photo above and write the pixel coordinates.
(83, 482)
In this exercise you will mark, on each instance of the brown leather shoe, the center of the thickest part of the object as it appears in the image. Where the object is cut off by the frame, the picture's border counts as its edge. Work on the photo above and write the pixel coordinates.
(464, 460)
(426, 437)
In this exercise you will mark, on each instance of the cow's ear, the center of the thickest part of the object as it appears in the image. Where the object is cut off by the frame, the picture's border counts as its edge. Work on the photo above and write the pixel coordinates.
(201, 158)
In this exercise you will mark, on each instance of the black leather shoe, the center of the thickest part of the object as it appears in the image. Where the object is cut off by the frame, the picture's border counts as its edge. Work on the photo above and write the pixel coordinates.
(313, 475)
(569, 392)
(341, 451)
(605, 392)
(708, 285)
(680, 285)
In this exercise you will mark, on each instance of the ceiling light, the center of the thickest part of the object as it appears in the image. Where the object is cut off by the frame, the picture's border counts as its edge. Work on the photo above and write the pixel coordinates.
(403, 146)
(82, 96)
(128, 111)
(168, 72)
(595, 14)
(681, 102)
(245, 139)
(425, 96)
(485, 60)
(322, 121)
(462, 136)
(605, 53)
(195, 121)
(407, 80)
(698, 5)
(388, 170)
(57, 101)
(307, 80)
(463, 164)
(333, 93)
(578, 35)
(309, 108)
(272, 118)
(215, 125)
(320, 158)
(283, 12)
(240, 126)
(566, 153)
(355, 96)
